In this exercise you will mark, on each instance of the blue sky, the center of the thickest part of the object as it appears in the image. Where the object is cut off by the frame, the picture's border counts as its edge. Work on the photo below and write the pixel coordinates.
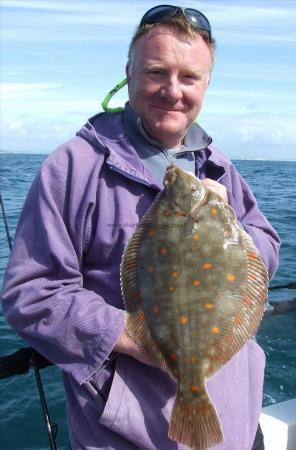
(60, 58)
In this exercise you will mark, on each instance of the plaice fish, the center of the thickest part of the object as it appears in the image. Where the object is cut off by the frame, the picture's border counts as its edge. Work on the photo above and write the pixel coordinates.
(194, 287)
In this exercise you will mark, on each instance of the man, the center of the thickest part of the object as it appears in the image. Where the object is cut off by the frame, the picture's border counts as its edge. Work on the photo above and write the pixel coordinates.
(62, 288)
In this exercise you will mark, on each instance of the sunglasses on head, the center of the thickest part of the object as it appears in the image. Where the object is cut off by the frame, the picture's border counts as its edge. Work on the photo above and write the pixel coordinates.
(162, 12)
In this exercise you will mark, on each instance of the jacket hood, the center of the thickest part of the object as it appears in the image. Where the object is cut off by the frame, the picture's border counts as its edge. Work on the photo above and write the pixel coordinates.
(107, 128)
(107, 132)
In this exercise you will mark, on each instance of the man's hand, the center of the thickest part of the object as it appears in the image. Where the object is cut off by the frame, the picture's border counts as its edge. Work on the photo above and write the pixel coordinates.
(216, 187)
(125, 344)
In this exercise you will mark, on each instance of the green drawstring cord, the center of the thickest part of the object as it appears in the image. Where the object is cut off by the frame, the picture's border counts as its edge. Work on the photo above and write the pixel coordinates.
(110, 95)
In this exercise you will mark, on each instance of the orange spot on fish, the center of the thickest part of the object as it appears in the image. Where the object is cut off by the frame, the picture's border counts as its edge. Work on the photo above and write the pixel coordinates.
(196, 237)
(209, 306)
(207, 265)
(196, 283)
(163, 251)
(175, 274)
(238, 320)
(214, 211)
(155, 309)
(150, 269)
(252, 255)
(131, 265)
(202, 409)
(194, 388)
(230, 277)
(167, 213)
(183, 320)
(247, 301)
(180, 214)
(215, 330)
(151, 233)
(171, 288)
(173, 356)
(141, 316)
(252, 277)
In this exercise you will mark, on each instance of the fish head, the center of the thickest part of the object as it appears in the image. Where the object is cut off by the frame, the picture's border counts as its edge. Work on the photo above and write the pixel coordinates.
(182, 188)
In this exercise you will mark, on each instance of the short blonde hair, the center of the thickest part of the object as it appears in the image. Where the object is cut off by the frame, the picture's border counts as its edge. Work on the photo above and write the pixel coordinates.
(179, 23)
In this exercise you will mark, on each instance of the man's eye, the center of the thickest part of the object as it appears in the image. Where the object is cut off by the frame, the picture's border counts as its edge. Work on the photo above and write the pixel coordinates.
(191, 76)
(155, 71)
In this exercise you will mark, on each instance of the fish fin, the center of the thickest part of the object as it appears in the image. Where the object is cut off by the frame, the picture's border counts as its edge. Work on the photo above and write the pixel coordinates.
(135, 322)
(138, 329)
(195, 424)
(250, 311)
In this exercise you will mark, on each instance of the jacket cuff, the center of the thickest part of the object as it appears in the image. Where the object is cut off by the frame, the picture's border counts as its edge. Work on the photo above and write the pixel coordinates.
(101, 346)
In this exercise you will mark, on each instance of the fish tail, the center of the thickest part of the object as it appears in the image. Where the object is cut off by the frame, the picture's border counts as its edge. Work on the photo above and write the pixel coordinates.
(195, 424)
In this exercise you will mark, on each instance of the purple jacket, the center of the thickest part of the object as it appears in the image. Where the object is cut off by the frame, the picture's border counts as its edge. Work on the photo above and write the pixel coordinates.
(62, 292)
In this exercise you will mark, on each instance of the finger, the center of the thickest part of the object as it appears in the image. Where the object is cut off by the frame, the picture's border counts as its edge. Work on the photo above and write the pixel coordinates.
(216, 187)
(210, 182)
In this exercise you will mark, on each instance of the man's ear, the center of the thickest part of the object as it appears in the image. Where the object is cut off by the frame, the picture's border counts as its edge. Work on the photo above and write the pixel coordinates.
(127, 72)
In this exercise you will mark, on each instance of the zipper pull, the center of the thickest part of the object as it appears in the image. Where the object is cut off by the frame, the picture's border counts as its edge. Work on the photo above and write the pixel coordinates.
(170, 158)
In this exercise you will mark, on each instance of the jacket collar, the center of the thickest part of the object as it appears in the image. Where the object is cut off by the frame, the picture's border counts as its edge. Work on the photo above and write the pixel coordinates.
(109, 133)
(195, 139)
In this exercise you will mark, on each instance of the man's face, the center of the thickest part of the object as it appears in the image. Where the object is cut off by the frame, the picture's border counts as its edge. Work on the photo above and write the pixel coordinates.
(167, 81)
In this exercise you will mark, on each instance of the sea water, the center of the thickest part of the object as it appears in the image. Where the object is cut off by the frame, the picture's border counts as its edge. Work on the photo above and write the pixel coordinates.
(21, 422)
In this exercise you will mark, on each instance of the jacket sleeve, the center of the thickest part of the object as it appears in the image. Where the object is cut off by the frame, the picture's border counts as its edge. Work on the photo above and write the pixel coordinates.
(43, 297)
(254, 222)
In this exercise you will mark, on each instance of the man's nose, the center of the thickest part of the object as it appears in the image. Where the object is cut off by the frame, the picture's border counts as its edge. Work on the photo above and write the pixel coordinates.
(171, 89)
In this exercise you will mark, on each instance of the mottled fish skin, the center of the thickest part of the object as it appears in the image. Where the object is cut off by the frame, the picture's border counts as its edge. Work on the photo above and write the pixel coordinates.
(194, 286)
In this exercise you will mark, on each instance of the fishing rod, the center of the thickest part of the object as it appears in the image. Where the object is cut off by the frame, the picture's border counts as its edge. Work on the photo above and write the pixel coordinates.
(280, 307)
(27, 359)
(9, 238)
(20, 362)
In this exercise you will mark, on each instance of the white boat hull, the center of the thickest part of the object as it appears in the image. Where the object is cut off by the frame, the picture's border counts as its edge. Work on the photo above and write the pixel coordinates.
(278, 423)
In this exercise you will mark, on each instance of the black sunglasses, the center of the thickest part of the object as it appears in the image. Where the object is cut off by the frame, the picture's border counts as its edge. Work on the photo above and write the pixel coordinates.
(162, 12)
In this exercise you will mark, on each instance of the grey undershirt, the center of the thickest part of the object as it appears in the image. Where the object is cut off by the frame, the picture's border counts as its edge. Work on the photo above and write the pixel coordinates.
(156, 157)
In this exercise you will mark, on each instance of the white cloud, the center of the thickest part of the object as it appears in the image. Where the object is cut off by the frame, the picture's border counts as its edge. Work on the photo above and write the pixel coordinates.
(70, 6)
(16, 91)
(250, 21)
(230, 102)
(265, 135)
(250, 12)
(45, 35)
(231, 93)
(239, 37)
(256, 71)
(95, 12)
(253, 135)
(15, 125)
(35, 136)
(240, 22)
(68, 21)
(281, 13)
(267, 129)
